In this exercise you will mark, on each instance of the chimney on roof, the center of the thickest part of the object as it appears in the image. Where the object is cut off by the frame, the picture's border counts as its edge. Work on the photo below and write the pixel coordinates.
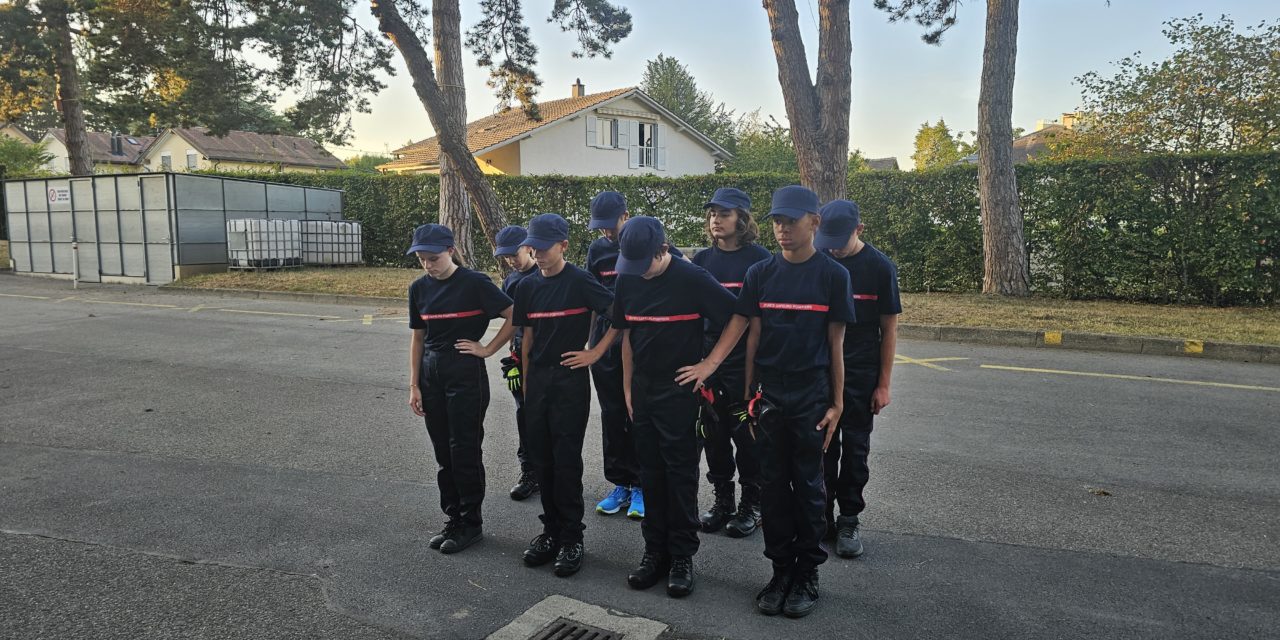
(578, 89)
(117, 143)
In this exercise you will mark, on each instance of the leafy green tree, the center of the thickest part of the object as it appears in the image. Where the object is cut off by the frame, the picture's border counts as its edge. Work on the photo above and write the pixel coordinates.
(763, 146)
(21, 160)
(366, 163)
(1218, 91)
(937, 148)
(670, 83)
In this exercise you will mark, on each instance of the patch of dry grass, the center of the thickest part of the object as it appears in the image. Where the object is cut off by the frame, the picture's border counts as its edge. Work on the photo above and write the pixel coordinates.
(1253, 325)
(4, 254)
(1234, 324)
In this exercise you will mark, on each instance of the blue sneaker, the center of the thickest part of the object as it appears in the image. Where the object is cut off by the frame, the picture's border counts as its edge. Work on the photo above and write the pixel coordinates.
(616, 501)
(637, 504)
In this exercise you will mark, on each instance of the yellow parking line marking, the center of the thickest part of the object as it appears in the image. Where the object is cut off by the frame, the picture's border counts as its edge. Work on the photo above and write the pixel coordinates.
(1053, 338)
(1120, 376)
(368, 319)
(66, 299)
(371, 319)
(280, 313)
(132, 304)
(1193, 346)
(924, 362)
(16, 295)
(195, 308)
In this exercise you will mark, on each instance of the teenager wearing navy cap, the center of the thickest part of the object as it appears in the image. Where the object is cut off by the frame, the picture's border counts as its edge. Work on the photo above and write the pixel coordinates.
(449, 310)
(660, 307)
(869, 345)
(554, 307)
(519, 259)
(796, 304)
(732, 233)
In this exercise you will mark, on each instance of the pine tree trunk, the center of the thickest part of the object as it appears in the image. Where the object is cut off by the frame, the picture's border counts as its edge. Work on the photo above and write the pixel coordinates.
(55, 14)
(1004, 251)
(451, 137)
(455, 207)
(817, 112)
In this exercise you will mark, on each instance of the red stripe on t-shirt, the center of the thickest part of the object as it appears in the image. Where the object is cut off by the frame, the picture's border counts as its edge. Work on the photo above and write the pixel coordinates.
(865, 296)
(731, 285)
(606, 274)
(794, 306)
(557, 314)
(450, 316)
(679, 318)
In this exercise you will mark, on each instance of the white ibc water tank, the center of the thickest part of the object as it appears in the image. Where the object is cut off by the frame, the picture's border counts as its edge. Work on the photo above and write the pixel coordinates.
(264, 243)
(333, 243)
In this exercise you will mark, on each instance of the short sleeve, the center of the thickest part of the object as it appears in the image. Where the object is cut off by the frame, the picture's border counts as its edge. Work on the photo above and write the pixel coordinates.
(841, 295)
(717, 304)
(620, 294)
(890, 300)
(415, 316)
(597, 297)
(748, 303)
(492, 299)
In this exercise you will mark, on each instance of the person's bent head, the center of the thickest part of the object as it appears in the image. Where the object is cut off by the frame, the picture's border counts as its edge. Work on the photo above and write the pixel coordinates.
(433, 246)
(608, 214)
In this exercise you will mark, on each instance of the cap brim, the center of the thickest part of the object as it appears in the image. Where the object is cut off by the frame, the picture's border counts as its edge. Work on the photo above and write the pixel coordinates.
(723, 203)
(429, 248)
(539, 244)
(789, 212)
(831, 241)
(632, 266)
(597, 223)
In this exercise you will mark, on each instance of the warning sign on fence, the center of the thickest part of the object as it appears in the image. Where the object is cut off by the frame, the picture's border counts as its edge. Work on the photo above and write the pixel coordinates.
(59, 194)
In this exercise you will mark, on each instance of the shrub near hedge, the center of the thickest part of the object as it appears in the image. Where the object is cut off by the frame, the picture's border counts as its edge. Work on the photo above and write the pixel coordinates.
(1189, 228)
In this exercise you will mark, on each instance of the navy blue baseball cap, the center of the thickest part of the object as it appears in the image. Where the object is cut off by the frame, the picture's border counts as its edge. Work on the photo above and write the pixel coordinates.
(839, 220)
(432, 238)
(638, 243)
(606, 208)
(794, 201)
(730, 198)
(545, 230)
(508, 240)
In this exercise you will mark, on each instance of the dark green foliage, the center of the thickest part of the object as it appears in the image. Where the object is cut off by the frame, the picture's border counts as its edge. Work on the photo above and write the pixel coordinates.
(1187, 229)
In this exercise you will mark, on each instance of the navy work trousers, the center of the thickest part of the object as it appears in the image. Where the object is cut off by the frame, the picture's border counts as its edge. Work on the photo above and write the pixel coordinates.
(455, 396)
(557, 404)
(666, 439)
(790, 445)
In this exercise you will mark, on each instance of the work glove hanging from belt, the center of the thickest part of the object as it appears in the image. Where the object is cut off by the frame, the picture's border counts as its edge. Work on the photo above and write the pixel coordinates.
(511, 373)
(760, 412)
(708, 419)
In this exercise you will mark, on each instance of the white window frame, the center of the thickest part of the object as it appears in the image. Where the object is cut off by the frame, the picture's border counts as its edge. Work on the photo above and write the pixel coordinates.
(647, 154)
(166, 161)
(607, 139)
(193, 159)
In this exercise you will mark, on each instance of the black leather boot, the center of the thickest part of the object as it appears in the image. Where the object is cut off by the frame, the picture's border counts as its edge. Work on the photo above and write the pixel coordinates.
(773, 597)
(541, 550)
(721, 511)
(569, 560)
(803, 595)
(526, 487)
(747, 520)
(463, 537)
(439, 538)
(680, 582)
(653, 567)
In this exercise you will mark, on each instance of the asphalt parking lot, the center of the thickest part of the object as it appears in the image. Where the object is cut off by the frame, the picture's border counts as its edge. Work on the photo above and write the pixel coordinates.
(190, 466)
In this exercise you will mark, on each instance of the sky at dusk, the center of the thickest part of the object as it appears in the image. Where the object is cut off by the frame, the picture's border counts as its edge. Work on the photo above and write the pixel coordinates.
(898, 81)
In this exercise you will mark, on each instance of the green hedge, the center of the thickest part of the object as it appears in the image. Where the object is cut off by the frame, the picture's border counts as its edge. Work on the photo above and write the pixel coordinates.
(1190, 229)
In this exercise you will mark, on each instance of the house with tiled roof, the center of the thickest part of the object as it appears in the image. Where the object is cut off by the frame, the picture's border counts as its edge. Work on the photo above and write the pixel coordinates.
(193, 149)
(618, 132)
(11, 130)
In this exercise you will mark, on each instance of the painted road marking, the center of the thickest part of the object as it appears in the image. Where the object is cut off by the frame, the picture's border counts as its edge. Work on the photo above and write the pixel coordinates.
(898, 358)
(368, 320)
(280, 313)
(15, 295)
(362, 319)
(1120, 376)
(66, 299)
(1193, 346)
(131, 304)
(1053, 338)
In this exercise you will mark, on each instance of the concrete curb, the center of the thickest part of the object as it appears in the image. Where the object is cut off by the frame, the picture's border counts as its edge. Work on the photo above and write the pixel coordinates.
(1048, 339)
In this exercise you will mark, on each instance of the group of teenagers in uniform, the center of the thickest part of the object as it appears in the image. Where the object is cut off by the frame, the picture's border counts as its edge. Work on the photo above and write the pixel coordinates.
(772, 364)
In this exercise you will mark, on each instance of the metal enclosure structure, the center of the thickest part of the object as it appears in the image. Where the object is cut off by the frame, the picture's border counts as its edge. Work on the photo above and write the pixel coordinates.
(143, 228)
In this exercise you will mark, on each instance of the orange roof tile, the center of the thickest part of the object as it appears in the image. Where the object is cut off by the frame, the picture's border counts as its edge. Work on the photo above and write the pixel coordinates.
(501, 127)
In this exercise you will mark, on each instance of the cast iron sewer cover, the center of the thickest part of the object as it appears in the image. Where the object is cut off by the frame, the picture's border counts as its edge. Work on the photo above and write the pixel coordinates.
(566, 629)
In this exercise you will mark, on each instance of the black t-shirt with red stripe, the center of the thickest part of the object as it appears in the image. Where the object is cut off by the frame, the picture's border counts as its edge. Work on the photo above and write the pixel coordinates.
(875, 293)
(456, 308)
(602, 260)
(730, 269)
(665, 315)
(795, 303)
(558, 309)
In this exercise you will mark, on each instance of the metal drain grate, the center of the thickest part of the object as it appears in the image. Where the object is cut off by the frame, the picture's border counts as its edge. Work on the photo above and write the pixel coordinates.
(566, 629)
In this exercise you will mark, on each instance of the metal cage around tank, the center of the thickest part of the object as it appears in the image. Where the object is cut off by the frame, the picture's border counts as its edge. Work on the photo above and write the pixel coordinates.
(144, 227)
